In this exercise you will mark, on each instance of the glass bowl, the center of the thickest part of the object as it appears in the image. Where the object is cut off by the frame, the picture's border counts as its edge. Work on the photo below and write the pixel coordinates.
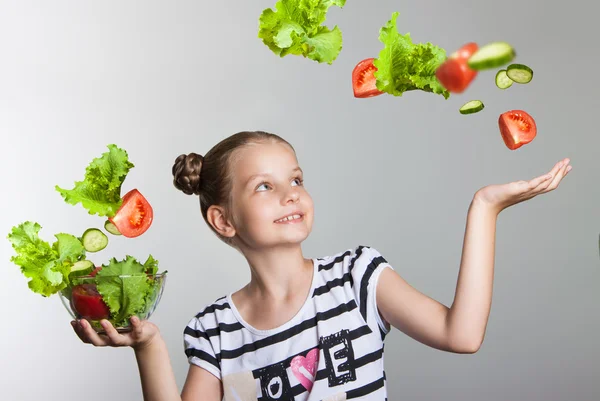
(114, 298)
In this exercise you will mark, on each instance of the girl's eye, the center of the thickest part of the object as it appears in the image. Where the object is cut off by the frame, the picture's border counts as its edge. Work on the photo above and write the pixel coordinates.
(298, 181)
(262, 187)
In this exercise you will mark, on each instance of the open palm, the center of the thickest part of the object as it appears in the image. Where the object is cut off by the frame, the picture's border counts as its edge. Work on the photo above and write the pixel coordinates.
(501, 196)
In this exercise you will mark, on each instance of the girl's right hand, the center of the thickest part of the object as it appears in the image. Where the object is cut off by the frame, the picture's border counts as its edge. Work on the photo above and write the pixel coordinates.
(142, 333)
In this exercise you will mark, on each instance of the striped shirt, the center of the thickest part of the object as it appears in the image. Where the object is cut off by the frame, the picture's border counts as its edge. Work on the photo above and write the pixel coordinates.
(332, 349)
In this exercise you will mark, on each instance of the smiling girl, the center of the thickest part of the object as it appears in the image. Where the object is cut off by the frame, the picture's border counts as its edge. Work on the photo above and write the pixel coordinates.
(306, 328)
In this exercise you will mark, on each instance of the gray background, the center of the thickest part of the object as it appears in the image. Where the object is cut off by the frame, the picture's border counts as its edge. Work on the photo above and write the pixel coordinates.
(164, 78)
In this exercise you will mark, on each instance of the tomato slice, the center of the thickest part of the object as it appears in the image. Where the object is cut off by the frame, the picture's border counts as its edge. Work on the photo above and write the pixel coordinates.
(87, 302)
(517, 128)
(465, 52)
(134, 216)
(454, 74)
(363, 79)
(95, 271)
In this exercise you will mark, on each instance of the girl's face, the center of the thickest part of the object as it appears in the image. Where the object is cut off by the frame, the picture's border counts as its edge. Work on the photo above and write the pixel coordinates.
(269, 203)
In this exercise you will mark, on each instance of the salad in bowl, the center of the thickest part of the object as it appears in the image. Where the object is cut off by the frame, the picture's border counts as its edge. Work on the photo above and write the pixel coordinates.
(115, 290)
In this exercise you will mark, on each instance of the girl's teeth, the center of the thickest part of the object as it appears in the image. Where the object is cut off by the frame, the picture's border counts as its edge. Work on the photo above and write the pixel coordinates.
(296, 216)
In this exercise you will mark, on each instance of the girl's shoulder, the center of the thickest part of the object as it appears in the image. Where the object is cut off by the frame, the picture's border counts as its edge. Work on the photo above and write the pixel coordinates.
(350, 255)
(213, 312)
(352, 261)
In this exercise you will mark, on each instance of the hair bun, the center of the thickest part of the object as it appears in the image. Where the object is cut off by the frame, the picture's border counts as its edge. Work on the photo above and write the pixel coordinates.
(186, 173)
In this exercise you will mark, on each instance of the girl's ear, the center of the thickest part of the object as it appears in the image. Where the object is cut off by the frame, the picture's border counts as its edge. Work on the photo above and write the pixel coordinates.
(218, 220)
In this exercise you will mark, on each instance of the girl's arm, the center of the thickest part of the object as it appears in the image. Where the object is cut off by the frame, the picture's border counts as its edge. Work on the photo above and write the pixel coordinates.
(154, 365)
(158, 380)
(156, 373)
(461, 328)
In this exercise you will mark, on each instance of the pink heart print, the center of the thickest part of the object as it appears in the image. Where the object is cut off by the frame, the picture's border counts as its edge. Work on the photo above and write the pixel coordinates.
(305, 368)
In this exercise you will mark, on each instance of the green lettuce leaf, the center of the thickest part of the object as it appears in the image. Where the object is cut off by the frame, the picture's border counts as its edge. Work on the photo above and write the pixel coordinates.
(124, 296)
(100, 190)
(295, 27)
(151, 265)
(47, 266)
(68, 247)
(404, 66)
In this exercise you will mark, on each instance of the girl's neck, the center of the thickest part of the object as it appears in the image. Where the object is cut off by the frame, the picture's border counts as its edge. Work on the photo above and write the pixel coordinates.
(278, 274)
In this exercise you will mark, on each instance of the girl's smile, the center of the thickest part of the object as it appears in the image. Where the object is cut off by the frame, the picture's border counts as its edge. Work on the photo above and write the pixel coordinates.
(295, 217)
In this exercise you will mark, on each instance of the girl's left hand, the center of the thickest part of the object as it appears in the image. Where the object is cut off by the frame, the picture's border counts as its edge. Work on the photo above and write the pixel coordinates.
(501, 196)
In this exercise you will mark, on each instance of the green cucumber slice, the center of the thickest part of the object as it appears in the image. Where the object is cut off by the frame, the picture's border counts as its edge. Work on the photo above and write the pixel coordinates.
(492, 55)
(111, 228)
(519, 73)
(94, 240)
(472, 106)
(502, 80)
(82, 268)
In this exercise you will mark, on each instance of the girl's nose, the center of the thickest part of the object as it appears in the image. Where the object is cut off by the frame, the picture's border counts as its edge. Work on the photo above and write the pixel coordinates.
(292, 196)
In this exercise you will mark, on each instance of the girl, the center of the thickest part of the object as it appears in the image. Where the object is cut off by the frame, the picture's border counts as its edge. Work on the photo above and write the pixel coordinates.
(306, 329)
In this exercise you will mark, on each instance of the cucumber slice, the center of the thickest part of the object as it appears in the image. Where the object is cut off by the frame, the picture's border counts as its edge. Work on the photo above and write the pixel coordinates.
(519, 73)
(472, 106)
(82, 268)
(94, 240)
(492, 55)
(502, 80)
(111, 228)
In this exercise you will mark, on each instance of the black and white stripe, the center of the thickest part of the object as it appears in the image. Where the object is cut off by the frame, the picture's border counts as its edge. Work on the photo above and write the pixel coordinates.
(342, 300)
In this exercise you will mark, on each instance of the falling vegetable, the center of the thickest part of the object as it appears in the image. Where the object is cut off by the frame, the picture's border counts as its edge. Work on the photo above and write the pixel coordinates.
(295, 27)
(517, 128)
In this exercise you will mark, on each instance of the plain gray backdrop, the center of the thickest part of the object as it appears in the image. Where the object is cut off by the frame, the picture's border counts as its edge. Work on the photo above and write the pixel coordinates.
(396, 173)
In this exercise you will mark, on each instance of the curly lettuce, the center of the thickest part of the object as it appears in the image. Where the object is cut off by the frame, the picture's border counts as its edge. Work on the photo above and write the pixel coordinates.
(100, 190)
(127, 286)
(295, 27)
(48, 266)
(404, 66)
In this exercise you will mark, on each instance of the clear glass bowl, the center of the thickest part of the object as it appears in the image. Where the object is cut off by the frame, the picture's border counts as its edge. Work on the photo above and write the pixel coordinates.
(88, 298)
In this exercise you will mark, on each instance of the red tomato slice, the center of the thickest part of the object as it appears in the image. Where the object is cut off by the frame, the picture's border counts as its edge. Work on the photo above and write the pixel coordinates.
(95, 271)
(517, 128)
(87, 302)
(134, 216)
(363, 79)
(465, 52)
(454, 74)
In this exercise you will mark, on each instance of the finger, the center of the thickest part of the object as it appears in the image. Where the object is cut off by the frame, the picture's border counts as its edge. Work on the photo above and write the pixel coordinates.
(557, 167)
(558, 177)
(93, 337)
(112, 333)
(81, 333)
(552, 184)
(540, 181)
(546, 179)
(550, 177)
(77, 330)
(136, 326)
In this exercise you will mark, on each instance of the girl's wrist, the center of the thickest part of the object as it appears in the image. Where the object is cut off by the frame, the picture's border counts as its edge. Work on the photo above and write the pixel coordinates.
(478, 204)
(153, 343)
